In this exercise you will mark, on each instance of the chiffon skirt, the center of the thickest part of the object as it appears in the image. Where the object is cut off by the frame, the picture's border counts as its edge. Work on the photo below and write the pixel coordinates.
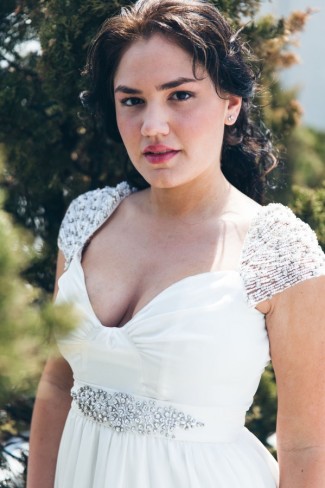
(94, 456)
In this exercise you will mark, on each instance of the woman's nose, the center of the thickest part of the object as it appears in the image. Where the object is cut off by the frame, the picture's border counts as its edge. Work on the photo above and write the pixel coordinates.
(155, 122)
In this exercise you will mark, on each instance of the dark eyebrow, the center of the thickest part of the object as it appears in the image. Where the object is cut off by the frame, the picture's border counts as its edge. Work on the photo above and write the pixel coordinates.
(175, 83)
(127, 90)
(165, 86)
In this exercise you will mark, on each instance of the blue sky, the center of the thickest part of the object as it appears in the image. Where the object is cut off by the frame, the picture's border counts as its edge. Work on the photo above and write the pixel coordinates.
(309, 75)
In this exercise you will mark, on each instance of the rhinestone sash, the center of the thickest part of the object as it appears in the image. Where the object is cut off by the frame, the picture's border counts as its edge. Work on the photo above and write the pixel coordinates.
(125, 413)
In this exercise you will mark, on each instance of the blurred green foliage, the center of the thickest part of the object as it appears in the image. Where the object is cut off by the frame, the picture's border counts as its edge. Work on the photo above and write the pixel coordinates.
(28, 319)
(306, 151)
(309, 205)
(27, 328)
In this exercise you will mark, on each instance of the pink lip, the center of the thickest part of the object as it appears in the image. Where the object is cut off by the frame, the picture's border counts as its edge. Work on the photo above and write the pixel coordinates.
(159, 153)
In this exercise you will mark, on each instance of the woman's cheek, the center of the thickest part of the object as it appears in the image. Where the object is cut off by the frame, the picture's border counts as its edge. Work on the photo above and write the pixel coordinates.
(127, 127)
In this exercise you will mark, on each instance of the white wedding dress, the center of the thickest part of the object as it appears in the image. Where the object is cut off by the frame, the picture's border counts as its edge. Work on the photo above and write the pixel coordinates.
(161, 401)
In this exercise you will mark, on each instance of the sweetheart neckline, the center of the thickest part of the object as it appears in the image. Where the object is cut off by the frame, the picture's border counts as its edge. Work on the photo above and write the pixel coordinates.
(150, 302)
(78, 254)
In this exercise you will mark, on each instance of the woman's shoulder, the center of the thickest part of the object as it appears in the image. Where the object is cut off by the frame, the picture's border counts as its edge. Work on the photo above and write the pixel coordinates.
(92, 200)
(277, 221)
(280, 250)
(86, 214)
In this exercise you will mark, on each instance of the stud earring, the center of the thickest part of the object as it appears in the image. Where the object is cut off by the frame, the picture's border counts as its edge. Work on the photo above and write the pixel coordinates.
(230, 118)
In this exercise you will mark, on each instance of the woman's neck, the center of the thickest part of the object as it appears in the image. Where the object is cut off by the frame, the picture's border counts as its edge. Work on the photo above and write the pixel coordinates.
(191, 202)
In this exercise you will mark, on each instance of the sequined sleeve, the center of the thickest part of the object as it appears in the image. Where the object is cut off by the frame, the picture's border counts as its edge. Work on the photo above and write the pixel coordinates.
(280, 251)
(85, 215)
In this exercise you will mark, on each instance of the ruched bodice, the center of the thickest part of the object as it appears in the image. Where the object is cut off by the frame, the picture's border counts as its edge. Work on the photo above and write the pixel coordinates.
(190, 344)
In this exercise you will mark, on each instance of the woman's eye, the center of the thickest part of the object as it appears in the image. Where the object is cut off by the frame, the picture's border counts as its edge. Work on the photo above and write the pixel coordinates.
(181, 95)
(131, 101)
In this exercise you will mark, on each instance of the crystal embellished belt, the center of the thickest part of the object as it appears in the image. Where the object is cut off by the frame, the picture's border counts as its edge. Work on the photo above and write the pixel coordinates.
(126, 413)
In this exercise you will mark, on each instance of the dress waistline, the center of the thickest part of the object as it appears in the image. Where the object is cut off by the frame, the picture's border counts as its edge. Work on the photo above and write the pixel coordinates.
(125, 412)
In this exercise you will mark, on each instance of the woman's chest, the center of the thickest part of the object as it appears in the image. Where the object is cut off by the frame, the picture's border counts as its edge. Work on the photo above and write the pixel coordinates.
(121, 279)
(130, 261)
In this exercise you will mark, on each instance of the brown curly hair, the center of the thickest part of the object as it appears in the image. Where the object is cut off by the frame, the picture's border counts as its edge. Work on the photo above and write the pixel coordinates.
(199, 28)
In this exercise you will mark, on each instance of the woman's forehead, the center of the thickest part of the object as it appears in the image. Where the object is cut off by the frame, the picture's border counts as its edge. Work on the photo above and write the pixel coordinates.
(157, 57)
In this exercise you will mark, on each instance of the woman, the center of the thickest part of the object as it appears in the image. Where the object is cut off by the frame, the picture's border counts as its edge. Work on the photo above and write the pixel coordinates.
(183, 287)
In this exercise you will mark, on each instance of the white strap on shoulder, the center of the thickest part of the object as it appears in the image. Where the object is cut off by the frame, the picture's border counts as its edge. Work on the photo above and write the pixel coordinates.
(280, 250)
(85, 215)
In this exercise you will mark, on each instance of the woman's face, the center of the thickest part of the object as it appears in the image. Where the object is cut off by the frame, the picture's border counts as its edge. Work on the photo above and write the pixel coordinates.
(172, 124)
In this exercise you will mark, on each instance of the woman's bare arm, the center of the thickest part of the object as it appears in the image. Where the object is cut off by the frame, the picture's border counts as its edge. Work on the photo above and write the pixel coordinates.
(50, 411)
(296, 326)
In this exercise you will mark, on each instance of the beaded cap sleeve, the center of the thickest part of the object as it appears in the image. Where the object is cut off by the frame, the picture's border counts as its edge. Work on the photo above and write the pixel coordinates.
(280, 251)
(85, 215)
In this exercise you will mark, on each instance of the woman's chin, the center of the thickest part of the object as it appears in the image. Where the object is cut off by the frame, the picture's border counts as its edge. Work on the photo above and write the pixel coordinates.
(162, 180)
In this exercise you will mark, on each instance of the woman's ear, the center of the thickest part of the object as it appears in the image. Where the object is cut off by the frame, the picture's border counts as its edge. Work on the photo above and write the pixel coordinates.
(233, 109)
